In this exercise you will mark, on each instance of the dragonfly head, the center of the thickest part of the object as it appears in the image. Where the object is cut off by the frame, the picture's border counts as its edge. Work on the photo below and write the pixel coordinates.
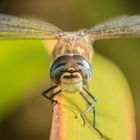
(71, 72)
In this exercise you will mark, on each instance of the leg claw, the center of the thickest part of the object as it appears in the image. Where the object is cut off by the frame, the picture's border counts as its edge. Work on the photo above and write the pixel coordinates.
(82, 116)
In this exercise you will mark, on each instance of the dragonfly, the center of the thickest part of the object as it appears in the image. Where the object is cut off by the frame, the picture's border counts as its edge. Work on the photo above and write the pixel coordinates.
(71, 69)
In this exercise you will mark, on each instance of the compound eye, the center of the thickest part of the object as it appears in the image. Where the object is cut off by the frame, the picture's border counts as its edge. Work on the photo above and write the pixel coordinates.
(58, 68)
(86, 73)
(56, 72)
(84, 68)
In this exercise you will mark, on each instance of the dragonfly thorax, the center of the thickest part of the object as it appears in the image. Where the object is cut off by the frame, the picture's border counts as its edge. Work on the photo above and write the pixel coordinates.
(73, 45)
(71, 72)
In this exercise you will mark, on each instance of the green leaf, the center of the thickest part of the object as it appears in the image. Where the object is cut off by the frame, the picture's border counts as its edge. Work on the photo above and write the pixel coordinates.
(23, 67)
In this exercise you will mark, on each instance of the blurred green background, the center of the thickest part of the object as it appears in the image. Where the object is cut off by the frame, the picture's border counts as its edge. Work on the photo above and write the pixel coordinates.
(24, 65)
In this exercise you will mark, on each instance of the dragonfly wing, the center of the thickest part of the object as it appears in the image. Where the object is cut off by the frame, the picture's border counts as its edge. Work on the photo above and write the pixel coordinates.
(124, 26)
(12, 27)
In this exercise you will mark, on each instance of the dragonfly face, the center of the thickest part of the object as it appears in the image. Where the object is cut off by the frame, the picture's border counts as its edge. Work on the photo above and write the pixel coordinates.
(71, 72)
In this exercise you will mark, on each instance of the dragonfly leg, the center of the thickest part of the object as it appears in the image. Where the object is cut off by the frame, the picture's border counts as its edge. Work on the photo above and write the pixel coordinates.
(90, 94)
(94, 111)
(89, 102)
(45, 94)
(94, 123)
(92, 106)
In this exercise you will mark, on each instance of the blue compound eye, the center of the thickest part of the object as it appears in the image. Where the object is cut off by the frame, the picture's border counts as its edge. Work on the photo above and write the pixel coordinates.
(58, 67)
(84, 68)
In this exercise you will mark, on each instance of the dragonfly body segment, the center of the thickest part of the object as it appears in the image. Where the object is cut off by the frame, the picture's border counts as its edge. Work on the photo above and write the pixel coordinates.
(72, 43)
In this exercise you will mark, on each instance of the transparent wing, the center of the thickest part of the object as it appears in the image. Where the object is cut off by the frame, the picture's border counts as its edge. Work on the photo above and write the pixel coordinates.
(12, 27)
(124, 26)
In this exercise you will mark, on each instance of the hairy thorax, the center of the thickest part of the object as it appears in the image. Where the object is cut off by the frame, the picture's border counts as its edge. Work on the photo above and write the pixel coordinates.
(73, 45)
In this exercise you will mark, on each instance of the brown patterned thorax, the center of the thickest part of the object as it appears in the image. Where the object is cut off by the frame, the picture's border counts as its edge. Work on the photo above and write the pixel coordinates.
(73, 45)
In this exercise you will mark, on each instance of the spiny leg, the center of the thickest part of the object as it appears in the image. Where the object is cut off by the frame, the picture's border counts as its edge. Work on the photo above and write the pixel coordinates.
(45, 93)
(90, 94)
(94, 112)
(94, 123)
(90, 103)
